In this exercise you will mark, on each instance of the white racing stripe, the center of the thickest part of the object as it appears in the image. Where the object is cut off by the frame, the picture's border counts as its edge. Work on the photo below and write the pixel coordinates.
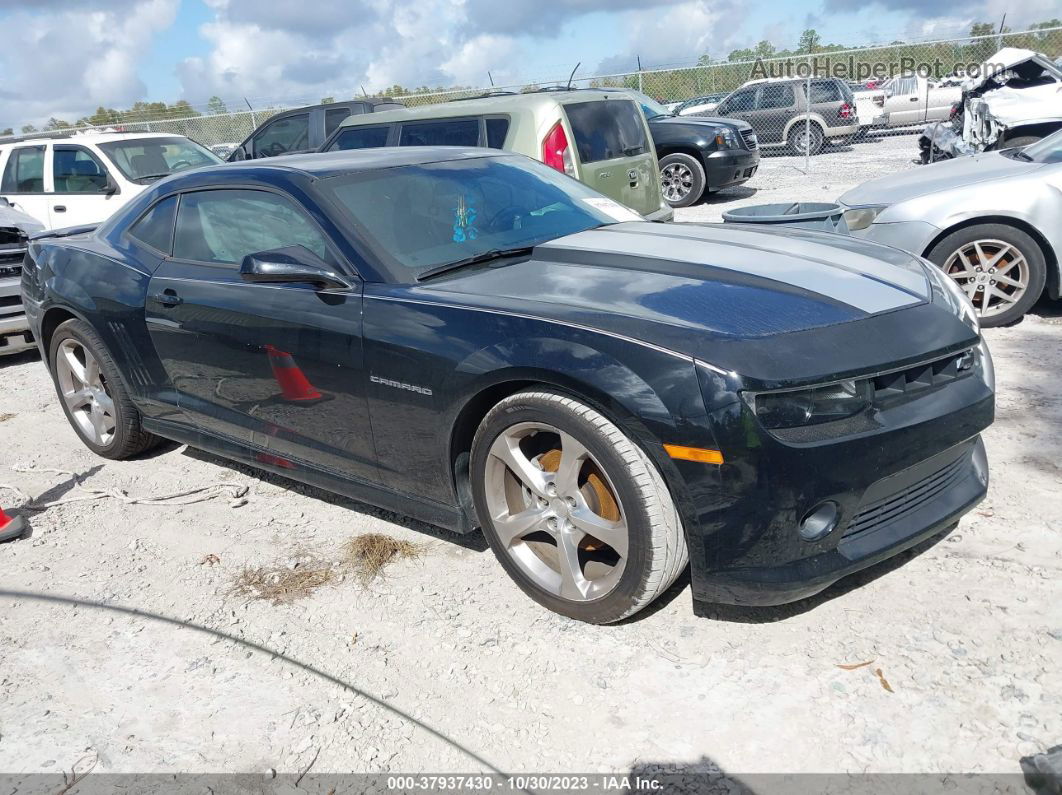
(841, 273)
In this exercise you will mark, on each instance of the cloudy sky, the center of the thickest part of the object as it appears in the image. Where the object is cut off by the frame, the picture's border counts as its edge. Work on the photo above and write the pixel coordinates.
(65, 57)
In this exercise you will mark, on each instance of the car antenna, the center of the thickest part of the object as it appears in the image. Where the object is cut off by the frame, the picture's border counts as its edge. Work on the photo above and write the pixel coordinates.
(491, 79)
(363, 91)
(248, 105)
(569, 87)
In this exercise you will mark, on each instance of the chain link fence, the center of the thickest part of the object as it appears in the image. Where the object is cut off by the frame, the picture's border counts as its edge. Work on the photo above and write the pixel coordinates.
(800, 104)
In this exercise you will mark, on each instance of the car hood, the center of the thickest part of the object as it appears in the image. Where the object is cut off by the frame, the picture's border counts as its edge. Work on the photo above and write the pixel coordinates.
(945, 175)
(693, 288)
(702, 121)
(10, 217)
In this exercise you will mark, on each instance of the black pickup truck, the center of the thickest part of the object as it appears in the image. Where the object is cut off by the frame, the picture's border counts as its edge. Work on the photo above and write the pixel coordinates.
(698, 155)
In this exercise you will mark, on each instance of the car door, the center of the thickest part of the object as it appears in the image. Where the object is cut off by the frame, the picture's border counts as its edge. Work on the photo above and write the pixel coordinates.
(22, 183)
(903, 103)
(774, 106)
(83, 192)
(275, 366)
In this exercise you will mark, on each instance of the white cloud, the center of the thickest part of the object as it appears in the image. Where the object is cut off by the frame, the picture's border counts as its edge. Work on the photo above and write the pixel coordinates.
(74, 57)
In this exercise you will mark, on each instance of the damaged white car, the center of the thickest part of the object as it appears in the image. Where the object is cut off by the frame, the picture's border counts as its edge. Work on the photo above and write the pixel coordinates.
(15, 229)
(1014, 101)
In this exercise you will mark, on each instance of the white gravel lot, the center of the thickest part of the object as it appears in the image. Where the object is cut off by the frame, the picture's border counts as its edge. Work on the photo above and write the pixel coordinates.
(967, 631)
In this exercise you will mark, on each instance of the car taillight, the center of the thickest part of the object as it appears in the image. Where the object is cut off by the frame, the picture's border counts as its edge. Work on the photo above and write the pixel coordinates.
(555, 151)
(846, 110)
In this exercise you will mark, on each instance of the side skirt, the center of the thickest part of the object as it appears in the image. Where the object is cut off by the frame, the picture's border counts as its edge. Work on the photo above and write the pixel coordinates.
(449, 517)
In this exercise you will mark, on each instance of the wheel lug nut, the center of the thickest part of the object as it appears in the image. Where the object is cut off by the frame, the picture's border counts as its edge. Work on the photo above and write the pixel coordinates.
(571, 502)
(552, 524)
(551, 490)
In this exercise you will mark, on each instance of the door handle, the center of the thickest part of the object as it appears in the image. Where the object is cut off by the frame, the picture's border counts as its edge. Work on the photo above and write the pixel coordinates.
(914, 99)
(59, 208)
(168, 298)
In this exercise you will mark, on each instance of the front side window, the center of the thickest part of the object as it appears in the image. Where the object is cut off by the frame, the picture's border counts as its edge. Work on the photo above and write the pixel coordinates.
(290, 134)
(741, 101)
(607, 130)
(145, 160)
(25, 171)
(445, 132)
(360, 138)
(76, 170)
(775, 96)
(418, 217)
(155, 227)
(224, 226)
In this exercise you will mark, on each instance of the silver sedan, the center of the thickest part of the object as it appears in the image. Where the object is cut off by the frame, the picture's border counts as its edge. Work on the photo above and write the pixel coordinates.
(993, 222)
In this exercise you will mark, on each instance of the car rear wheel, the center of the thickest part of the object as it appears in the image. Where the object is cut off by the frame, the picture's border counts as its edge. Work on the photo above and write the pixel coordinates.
(575, 512)
(1002, 269)
(805, 137)
(92, 394)
(682, 179)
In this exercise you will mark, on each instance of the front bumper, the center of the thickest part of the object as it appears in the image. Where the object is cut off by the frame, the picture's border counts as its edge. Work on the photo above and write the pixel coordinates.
(912, 236)
(900, 474)
(728, 167)
(15, 335)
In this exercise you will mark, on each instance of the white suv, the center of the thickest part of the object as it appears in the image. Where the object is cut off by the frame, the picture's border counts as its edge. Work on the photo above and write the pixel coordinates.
(83, 178)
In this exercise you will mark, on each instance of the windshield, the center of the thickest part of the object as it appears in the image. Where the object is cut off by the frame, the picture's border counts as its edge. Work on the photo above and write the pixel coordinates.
(1046, 150)
(650, 107)
(419, 217)
(147, 159)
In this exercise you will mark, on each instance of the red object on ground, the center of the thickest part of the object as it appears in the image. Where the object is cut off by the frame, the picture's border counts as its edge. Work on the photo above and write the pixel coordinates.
(11, 527)
(294, 386)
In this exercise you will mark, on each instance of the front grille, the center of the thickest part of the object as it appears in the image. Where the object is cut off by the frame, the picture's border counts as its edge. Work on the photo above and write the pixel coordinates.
(896, 506)
(10, 266)
(749, 137)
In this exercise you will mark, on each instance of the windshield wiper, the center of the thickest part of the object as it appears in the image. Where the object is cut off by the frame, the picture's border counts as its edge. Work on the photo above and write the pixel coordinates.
(486, 256)
(154, 176)
(1021, 155)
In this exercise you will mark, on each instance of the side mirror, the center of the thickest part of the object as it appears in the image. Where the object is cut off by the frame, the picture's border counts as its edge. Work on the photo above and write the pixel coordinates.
(291, 265)
(111, 187)
(237, 154)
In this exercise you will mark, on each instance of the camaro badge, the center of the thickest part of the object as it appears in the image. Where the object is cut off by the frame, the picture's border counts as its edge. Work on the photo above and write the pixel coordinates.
(420, 390)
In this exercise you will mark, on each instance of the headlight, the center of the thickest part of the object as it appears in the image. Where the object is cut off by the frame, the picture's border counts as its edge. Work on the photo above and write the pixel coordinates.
(726, 138)
(947, 291)
(811, 406)
(861, 217)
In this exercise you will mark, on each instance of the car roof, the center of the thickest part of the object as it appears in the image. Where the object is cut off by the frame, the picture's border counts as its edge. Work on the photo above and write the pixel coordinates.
(85, 137)
(483, 106)
(329, 164)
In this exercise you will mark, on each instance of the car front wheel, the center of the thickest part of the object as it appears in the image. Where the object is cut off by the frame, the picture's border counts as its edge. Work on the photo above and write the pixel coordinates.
(682, 179)
(574, 510)
(1000, 268)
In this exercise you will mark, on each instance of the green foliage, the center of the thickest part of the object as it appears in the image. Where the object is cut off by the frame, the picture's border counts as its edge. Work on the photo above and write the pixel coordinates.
(216, 106)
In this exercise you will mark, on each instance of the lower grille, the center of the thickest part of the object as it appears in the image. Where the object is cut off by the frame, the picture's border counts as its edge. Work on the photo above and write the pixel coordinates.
(896, 506)
(749, 137)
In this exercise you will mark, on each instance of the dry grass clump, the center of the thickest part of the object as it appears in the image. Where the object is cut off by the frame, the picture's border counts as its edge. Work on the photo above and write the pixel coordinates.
(283, 584)
(368, 554)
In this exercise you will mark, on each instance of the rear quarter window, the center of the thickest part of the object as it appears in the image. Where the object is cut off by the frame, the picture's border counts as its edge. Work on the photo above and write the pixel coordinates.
(607, 129)
(497, 129)
(825, 91)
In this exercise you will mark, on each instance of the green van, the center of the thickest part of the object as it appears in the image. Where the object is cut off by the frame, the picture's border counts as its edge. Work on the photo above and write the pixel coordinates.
(600, 138)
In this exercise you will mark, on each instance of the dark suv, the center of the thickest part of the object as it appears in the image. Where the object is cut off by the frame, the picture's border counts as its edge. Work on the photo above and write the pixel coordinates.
(304, 129)
(698, 155)
(781, 115)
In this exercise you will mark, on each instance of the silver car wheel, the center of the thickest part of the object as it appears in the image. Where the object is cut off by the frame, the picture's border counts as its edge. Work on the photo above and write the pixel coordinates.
(84, 390)
(676, 180)
(555, 511)
(993, 273)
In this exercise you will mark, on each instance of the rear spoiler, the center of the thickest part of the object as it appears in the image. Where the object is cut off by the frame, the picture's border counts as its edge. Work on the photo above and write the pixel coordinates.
(66, 231)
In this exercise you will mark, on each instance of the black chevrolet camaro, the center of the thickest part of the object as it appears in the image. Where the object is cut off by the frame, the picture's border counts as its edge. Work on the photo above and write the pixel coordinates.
(470, 338)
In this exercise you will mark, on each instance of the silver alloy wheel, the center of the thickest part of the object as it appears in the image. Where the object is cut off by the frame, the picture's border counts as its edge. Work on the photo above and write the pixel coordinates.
(993, 273)
(803, 140)
(676, 180)
(84, 391)
(556, 512)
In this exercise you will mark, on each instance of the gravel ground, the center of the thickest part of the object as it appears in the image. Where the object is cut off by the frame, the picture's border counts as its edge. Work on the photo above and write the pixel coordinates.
(966, 630)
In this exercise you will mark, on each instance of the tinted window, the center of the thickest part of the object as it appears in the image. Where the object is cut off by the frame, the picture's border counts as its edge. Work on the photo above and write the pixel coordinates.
(155, 227)
(25, 171)
(146, 159)
(606, 130)
(775, 96)
(825, 91)
(741, 101)
(76, 170)
(421, 216)
(360, 138)
(446, 132)
(496, 132)
(334, 117)
(224, 226)
(289, 134)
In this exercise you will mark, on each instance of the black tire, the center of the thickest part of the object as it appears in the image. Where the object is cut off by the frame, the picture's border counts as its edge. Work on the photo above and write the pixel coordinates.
(657, 551)
(795, 135)
(1029, 248)
(129, 437)
(698, 180)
